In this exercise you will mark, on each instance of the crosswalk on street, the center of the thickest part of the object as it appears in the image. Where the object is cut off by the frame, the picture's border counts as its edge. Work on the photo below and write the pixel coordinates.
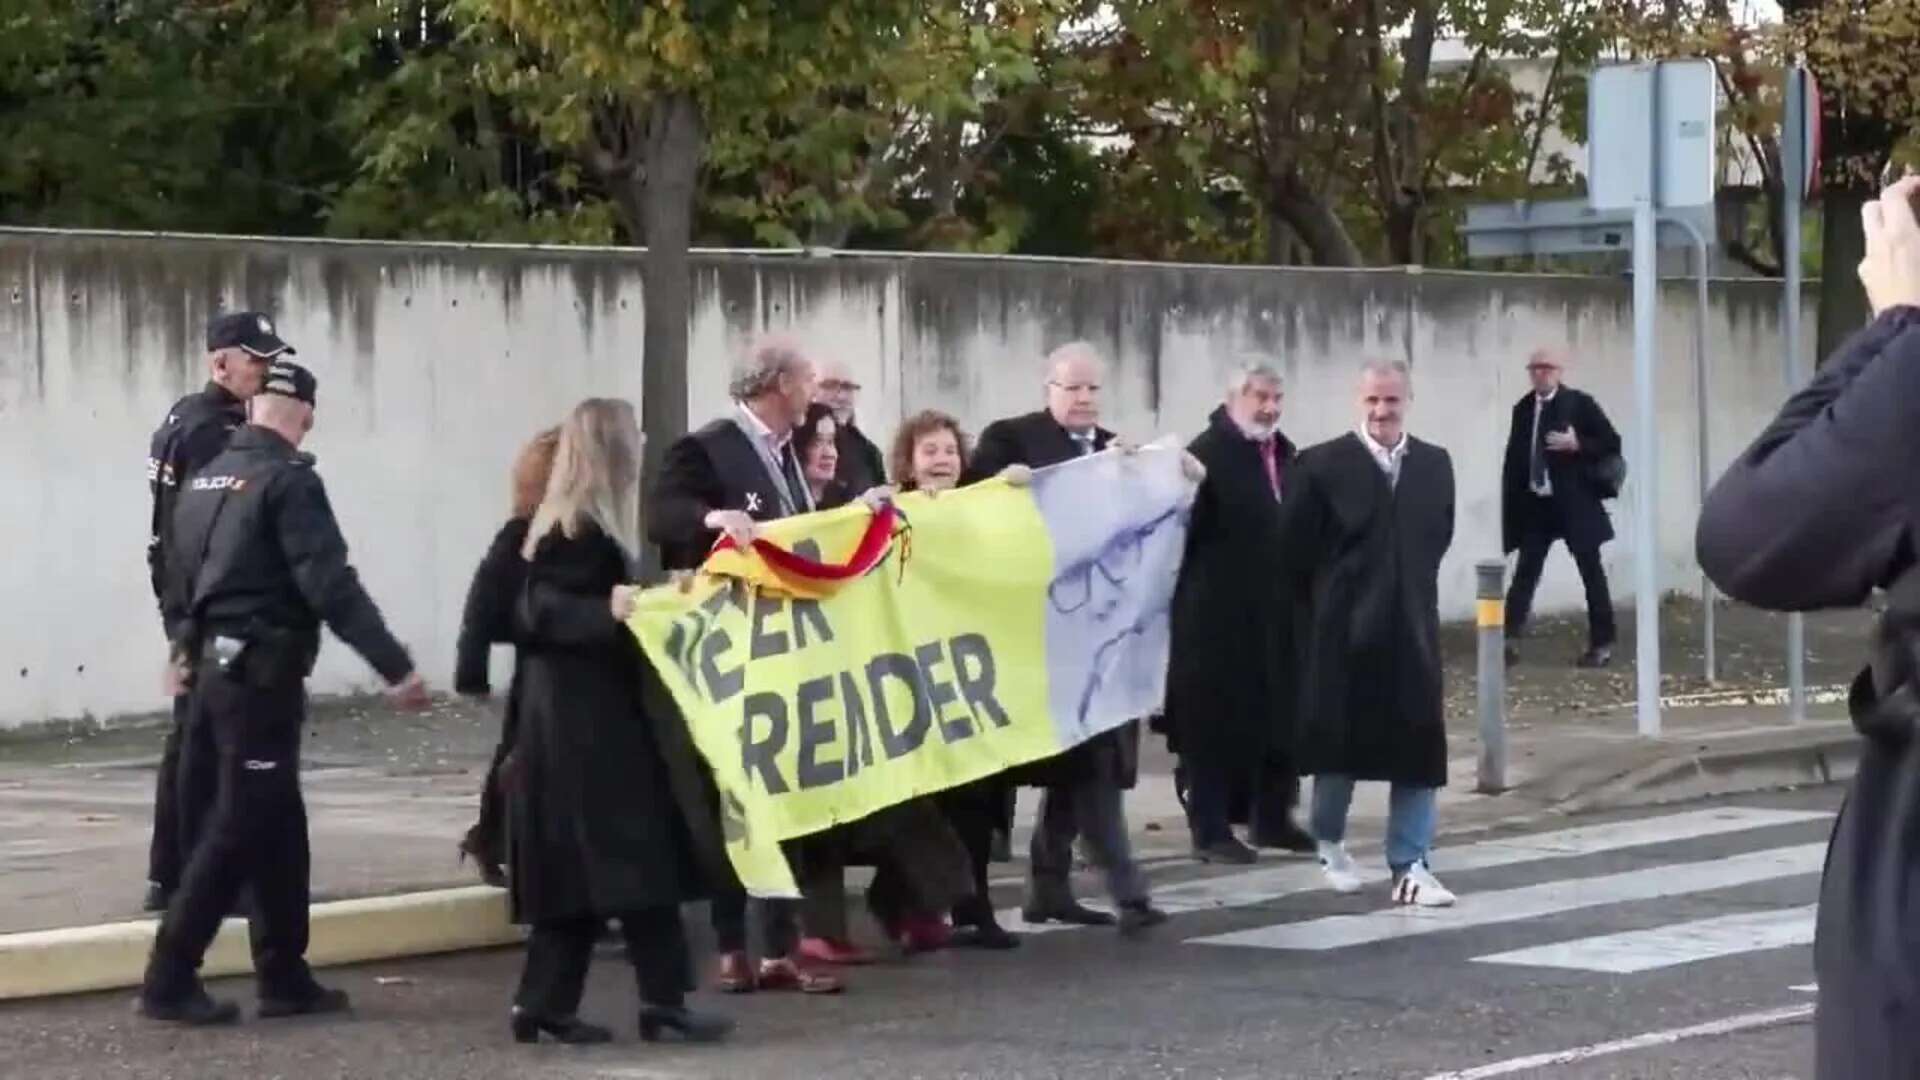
(1669, 862)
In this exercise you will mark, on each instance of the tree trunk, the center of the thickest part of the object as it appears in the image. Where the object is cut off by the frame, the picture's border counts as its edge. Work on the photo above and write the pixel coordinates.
(672, 152)
(1313, 220)
(1843, 303)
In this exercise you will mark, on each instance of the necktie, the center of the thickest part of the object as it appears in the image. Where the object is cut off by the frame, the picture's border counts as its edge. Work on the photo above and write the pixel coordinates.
(796, 487)
(1537, 465)
(1271, 459)
(1084, 441)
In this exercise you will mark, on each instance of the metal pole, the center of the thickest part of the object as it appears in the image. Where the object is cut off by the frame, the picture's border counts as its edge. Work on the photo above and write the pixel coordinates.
(1646, 299)
(1700, 389)
(1790, 326)
(1492, 617)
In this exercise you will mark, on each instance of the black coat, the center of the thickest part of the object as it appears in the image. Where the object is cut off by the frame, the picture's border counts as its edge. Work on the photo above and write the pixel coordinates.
(1363, 559)
(1818, 512)
(487, 618)
(1227, 694)
(1037, 440)
(608, 813)
(1583, 519)
(714, 468)
(861, 465)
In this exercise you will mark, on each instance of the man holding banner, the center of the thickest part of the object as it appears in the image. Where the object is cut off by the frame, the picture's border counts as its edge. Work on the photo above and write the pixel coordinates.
(1082, 787)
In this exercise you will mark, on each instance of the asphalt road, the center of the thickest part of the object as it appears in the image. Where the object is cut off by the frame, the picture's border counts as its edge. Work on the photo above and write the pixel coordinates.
(1588, 938)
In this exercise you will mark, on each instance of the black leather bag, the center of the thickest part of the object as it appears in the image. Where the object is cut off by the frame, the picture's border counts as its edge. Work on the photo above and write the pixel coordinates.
(1608, 475)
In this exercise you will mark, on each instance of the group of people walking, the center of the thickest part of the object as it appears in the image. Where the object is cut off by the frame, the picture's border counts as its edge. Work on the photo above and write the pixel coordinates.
(1305, 643)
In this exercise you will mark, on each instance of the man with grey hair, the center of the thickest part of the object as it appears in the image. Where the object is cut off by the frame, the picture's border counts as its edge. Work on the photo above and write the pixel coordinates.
(725, 478)
(1084, 785)
(861, 465)
(1229, 712)
(1369, 517)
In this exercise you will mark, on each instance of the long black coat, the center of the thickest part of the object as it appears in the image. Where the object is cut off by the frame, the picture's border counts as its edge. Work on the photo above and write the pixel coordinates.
(608, 812)
(487, 617)
(1819, 511)
(861, 466)
(1363, 558)
(1037, 440)
(1227, 686)
(1583, 517)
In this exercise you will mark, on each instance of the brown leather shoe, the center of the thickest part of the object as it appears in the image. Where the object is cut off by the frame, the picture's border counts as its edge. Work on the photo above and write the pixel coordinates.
(736, 974)
(787, 973)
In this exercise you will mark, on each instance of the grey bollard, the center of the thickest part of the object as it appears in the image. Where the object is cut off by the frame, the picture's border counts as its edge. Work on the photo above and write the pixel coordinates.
(1491, 616)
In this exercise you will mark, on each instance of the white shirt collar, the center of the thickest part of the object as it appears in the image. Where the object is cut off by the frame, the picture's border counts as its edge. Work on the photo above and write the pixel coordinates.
(1384, 454)
(1546, 397)
(759, 427)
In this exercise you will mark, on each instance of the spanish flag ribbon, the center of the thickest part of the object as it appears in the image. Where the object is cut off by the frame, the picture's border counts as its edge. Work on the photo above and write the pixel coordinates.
(770, 566)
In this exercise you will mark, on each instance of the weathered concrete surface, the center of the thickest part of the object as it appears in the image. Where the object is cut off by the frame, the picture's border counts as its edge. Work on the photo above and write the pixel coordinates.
(435, 362)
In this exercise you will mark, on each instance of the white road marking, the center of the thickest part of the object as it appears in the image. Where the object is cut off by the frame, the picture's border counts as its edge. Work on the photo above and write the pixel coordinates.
(1666, 946)
(1250, 887)
(1745, 1022)
(1806, 988)
(1532, 901)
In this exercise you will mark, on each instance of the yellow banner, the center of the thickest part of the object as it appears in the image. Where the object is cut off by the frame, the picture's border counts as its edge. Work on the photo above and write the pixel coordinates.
(1001, 625)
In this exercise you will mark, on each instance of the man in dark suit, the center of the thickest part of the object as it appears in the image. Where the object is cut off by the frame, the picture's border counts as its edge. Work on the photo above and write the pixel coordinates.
(861, 464)
(1558, 436)
(1369, 517)
(1083, 786)
(727, 477)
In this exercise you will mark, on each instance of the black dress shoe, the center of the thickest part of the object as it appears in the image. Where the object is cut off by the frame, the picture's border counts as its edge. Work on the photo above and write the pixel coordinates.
(1287, 837)
(1071, 912)
(1598, 657)
(197, 1009)
(316, 1000)
(527, 1028)
(1139, 916)
(157, 898)
(990, 936)
(1230, 851)
(689, 1025)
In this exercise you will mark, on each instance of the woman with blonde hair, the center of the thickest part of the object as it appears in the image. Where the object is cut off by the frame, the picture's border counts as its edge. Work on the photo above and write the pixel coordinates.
(603, 819)
(487, 620)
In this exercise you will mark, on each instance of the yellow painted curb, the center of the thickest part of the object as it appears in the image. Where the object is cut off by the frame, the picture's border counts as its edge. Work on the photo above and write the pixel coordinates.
(76, 959)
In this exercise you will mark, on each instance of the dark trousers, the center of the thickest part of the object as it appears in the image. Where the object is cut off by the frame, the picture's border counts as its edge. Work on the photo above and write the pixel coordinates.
(1092, 810)
(779, 922)
(180, 797)
(1266, 791)
(559, 951)
(255, 837)
(975, 812)
(1543, 527)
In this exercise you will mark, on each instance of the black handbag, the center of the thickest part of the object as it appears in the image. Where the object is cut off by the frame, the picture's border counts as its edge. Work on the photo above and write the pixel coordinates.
(1607, 475)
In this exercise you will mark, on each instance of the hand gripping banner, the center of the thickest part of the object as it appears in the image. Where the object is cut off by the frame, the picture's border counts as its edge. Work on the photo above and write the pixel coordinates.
(855, 658)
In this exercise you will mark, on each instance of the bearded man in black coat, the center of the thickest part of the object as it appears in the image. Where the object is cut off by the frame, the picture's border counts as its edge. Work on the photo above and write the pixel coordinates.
(1367, 523)
(1229, 709)
(1548, 492)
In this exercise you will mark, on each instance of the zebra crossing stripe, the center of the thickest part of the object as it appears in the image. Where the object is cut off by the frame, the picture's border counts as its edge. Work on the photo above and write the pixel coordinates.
(1532, 901)
(1666, 946)
(1758, 1021)
(1249, 887)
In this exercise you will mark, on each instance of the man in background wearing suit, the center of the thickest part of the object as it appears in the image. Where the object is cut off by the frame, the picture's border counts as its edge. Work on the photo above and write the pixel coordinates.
(861, 465)
(1084, 785)
(1547, 494)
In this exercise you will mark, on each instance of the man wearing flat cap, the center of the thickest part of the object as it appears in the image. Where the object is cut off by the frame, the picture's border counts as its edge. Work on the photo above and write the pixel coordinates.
(239, 346)
(255, 563)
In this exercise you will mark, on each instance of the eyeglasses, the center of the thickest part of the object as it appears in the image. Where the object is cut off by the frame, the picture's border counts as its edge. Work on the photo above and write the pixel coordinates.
(839, 384)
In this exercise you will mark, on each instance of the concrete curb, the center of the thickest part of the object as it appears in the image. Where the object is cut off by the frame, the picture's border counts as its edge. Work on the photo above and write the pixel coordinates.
(70, 960)
(1773, 760)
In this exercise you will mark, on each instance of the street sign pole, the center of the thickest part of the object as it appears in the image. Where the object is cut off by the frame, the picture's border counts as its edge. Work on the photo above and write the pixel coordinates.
(1797, 152)
(1646, 493)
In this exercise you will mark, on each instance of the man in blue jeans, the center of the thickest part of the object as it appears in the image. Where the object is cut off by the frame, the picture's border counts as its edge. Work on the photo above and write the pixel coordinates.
(1368, 520)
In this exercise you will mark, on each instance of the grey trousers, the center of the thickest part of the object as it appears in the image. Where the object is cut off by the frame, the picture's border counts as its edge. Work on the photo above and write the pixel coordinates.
(1092, 810)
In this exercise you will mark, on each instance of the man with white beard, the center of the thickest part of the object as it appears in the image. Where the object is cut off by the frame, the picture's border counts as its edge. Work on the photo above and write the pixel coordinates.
(1229, 690)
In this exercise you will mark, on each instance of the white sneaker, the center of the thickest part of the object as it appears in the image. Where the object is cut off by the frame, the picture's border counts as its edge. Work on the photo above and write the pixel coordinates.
(1339, 867)
(1419, 888)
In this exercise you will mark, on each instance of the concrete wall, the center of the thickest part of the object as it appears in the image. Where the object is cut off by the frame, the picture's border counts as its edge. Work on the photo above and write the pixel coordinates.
(435, 362)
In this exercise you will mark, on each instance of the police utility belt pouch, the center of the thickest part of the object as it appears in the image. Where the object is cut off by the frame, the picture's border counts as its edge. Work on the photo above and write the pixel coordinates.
(263, 657)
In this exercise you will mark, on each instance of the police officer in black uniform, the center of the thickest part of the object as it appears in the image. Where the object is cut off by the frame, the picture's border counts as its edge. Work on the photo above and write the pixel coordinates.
(256, 563)
(239, 347)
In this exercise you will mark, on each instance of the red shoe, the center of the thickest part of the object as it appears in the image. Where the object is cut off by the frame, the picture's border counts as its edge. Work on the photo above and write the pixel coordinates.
(736, 974)
(924, 933)
(789, 974)
(823, 950)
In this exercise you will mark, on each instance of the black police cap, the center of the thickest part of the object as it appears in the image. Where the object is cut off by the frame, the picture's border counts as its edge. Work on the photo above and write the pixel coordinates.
(249, 330)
